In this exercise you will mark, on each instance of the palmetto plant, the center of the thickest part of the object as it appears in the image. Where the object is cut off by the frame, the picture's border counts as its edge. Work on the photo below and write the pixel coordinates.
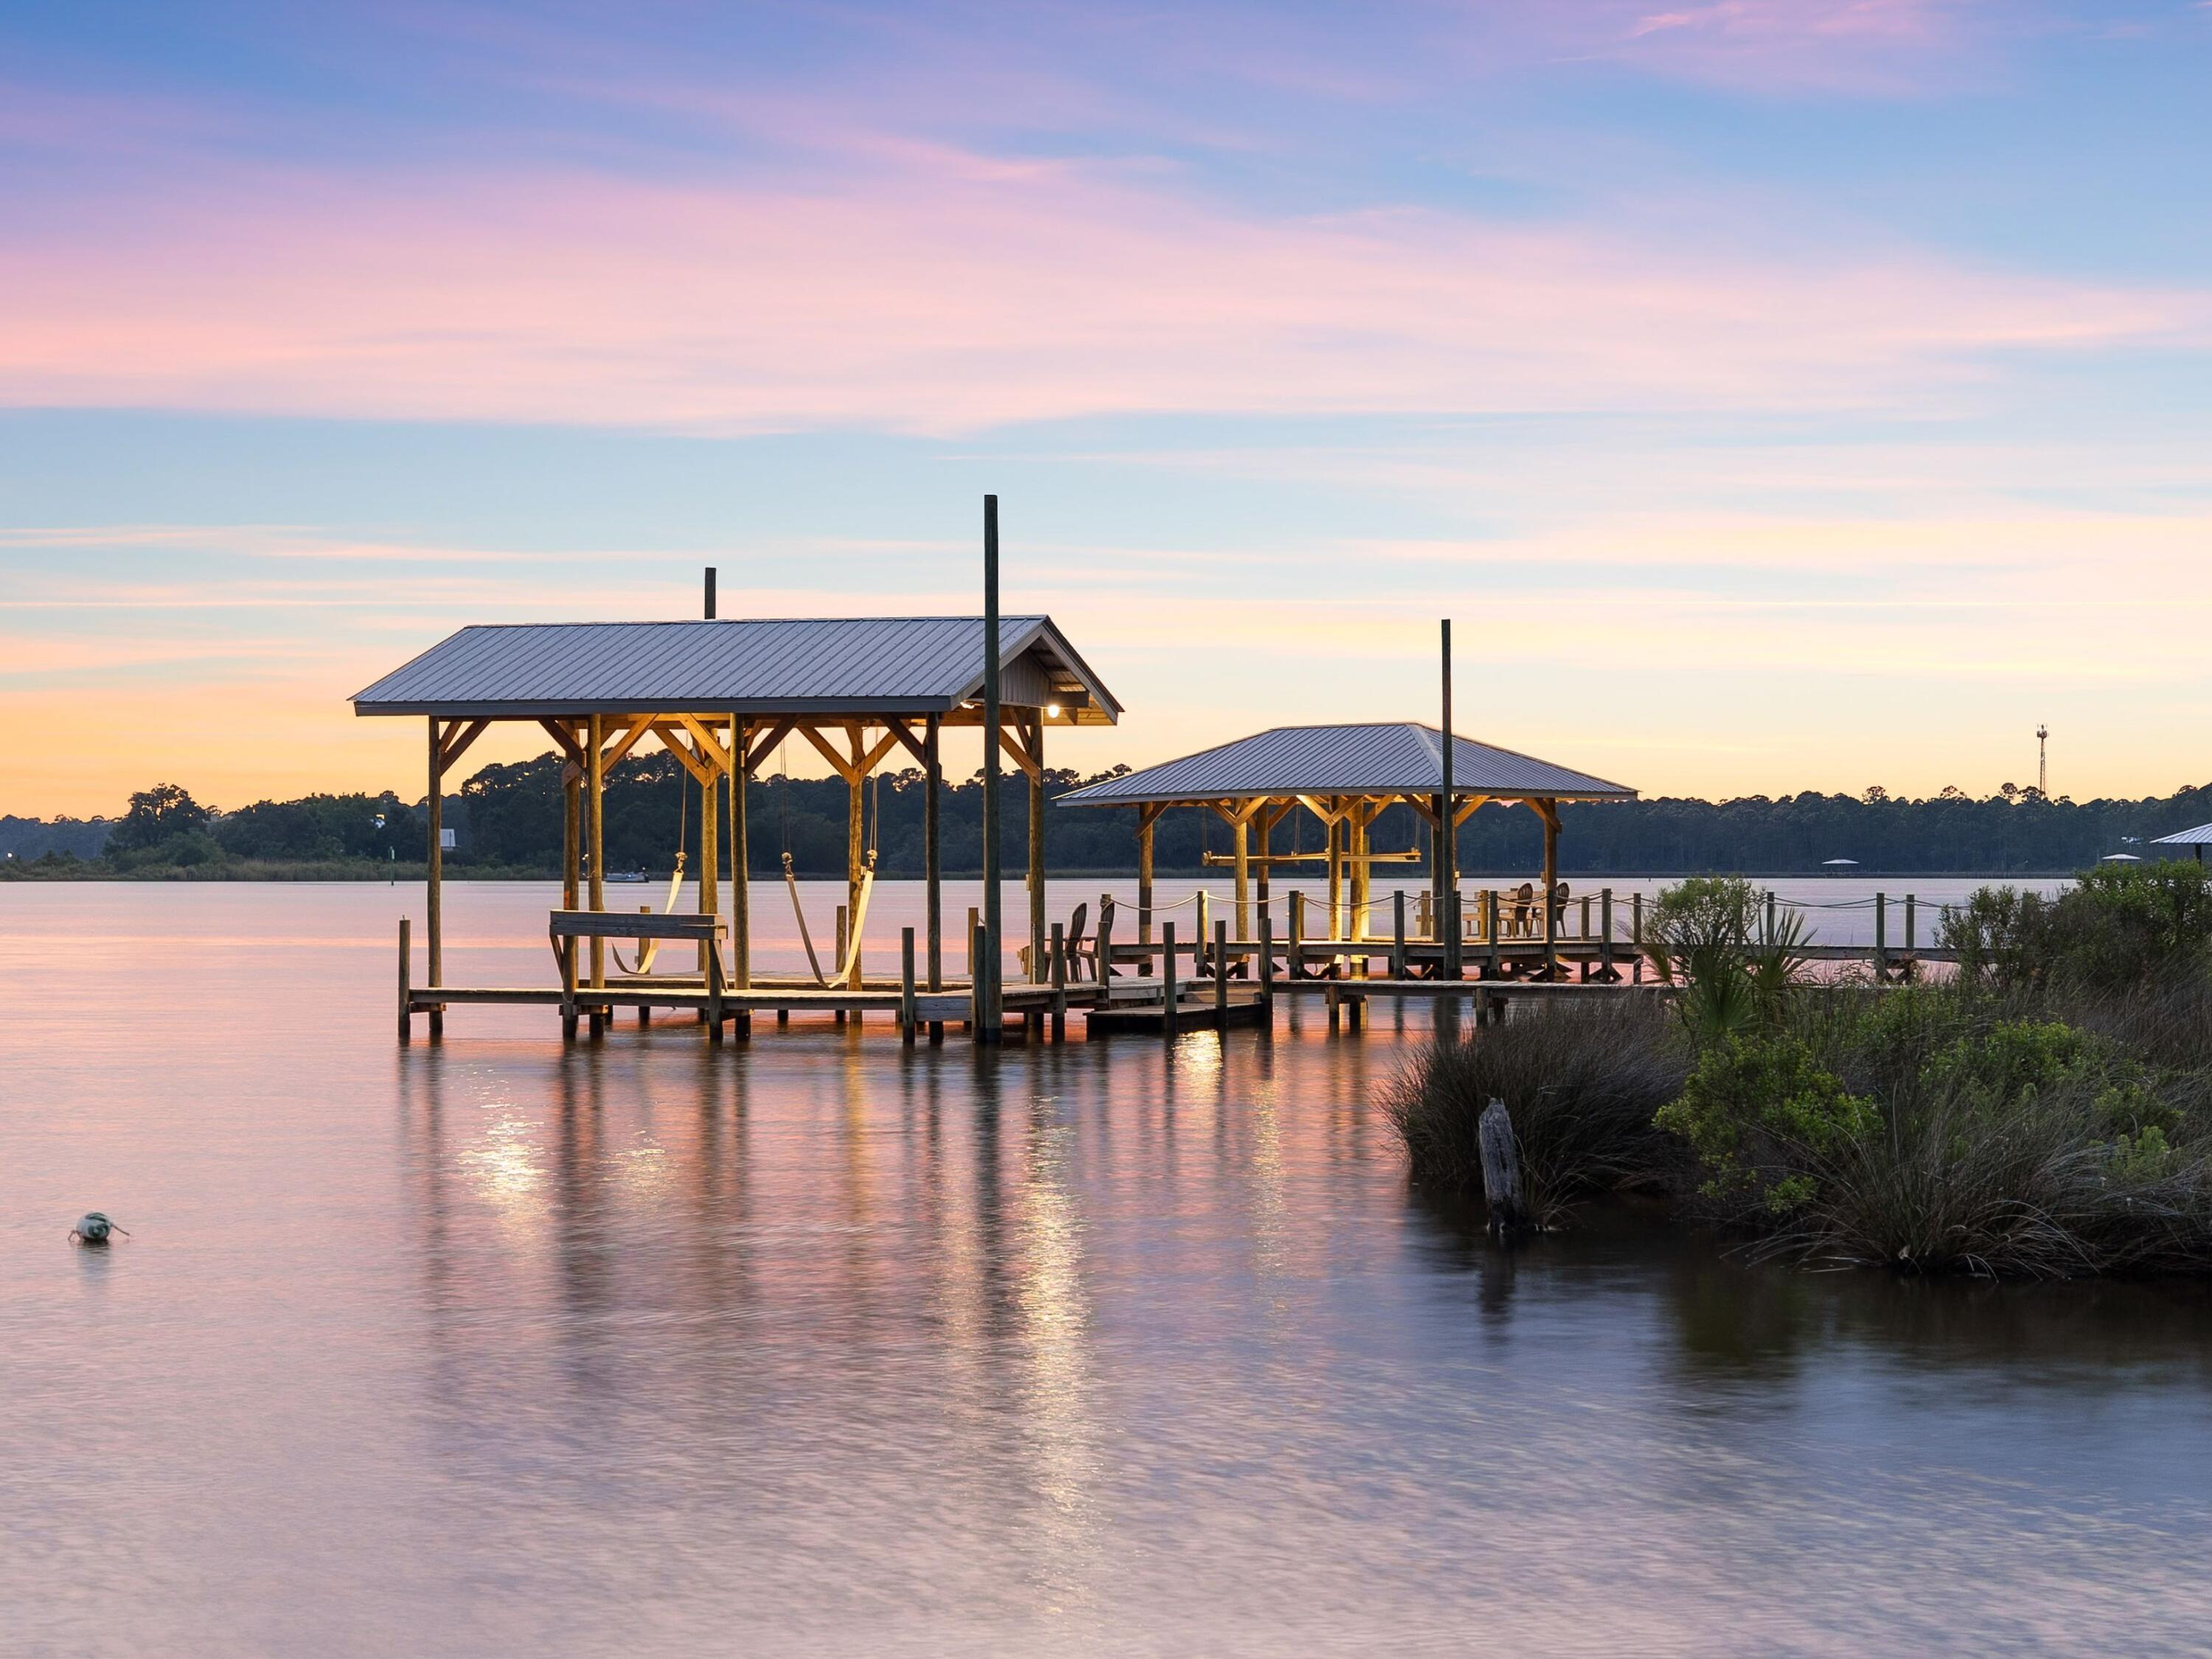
(1735, 961)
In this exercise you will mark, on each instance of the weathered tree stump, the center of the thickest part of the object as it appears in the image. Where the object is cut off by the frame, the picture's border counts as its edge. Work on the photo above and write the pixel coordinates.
(1501, 1171)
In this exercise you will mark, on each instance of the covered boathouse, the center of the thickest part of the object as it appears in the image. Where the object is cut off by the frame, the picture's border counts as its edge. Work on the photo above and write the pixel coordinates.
(720, 696)
(1346, 776)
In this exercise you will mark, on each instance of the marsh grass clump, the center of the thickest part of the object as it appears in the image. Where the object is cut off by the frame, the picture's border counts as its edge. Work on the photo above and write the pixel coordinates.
(1582, 1086)
(2046, 1114)
(1940, 1130)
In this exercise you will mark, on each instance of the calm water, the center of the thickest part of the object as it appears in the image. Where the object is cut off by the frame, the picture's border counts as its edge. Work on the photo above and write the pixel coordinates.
(827, 1347)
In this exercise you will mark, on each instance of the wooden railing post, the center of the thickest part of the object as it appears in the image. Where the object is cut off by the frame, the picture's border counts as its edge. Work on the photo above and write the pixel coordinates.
(1398, 934)
(1059, 982)
(1267, 969)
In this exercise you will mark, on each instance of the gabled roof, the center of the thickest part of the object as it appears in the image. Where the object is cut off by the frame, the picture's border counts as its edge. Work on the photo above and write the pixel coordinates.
(851, 665)
(1399, 758)
(2200, 837)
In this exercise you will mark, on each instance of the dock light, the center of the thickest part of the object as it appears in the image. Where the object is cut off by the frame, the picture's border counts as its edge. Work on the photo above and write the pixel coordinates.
(1053, 710)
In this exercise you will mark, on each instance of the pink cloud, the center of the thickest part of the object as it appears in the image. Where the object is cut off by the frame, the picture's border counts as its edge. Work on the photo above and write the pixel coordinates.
(934, 293)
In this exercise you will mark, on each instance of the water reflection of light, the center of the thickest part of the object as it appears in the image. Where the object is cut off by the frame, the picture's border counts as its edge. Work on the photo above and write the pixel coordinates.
(505, 1169)
(1055, 1330)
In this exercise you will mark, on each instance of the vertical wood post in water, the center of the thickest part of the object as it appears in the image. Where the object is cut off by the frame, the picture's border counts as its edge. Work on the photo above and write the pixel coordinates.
(1242, 829)
(1909, 904)
(406, 1021)
(1267, 971)
(1221, 975)
(1199, 926)
(1490, 930)
(1398, 934)
(905, 986)
(1168, 991)
(1769, 917)
(1605, 931)
(1881, 933)
(1291, 954)
(1501, 1168)
(710, 852)
(1059, 982)
(988, 1030)
(1551, 811)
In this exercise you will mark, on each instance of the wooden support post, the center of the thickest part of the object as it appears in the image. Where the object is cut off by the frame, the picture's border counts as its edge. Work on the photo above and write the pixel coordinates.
(595, 780)
(1059, 982)
(932, 856)
(1362, 882)
(906, 987)
(1585, 930)
(989, 1029)
(1266, 818)
(1242, 828)
(1398, 934)
(1769, 939)
(572, 837)
(1292, 956)
(1267, 971)
(1221, 975)
(1035, 750)
(1335, 880)
(1605, 930)
(433, 919)
(710, 860)
(1447, 820)
(1635, 937)
(978, 994)
(1880, 935)
(741, 868)
(1426, 923)
(1169, 993)
(1146, 817)
(406, 1012)
(1909, 904)
(567, 947)
(1199, 928)
(844, 920)
(714, 1006)
(1551, 890)
(1104, 962)
(856, 809)
(1497, 968)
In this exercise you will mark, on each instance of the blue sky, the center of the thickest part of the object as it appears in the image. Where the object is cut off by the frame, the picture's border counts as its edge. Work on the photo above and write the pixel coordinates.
(1779, 394)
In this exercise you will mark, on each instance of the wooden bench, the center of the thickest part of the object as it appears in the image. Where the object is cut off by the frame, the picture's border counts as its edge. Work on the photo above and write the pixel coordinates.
(565, 927)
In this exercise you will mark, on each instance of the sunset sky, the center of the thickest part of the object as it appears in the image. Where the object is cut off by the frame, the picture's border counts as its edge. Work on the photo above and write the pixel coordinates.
(1779, 394)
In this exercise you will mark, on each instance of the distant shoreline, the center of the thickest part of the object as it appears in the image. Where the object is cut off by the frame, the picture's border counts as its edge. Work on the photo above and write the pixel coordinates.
(371, 874)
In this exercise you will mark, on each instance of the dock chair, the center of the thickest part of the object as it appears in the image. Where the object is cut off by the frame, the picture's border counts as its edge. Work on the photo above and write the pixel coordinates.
(1094, 949)
(1071, 942)
(1524, 906)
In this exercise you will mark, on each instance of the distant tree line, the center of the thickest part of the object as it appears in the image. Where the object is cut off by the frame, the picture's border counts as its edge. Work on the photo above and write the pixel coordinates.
(506, 820)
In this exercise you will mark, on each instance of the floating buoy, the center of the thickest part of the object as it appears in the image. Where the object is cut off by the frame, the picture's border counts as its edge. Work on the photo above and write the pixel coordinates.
(94, 1229)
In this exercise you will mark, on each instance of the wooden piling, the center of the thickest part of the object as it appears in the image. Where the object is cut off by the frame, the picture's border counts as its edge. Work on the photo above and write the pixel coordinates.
(1496, 967)
(1169, 993)
(906, 987)
(1398, 934)
(1501, 1168)
(1221, 975)
(1292, 956)
(1267, 969)
(406, 1018)
(1059, 982)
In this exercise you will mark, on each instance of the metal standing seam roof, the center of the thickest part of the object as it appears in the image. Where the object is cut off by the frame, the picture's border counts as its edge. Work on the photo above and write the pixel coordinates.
(2200, 837)
(833, 666)
(1400, 757)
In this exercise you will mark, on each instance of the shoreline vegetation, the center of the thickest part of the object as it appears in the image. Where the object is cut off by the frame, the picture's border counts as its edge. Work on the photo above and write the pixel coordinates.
(2045, 1113)
(506, 824)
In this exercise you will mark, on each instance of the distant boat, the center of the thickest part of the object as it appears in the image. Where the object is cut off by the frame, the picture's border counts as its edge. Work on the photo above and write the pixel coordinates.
(2120, 858)
(627, 875)
(1837, 866)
